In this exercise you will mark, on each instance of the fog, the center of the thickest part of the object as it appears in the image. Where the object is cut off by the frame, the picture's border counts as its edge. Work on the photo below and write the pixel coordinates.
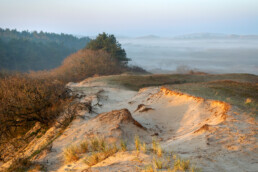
(164, 55)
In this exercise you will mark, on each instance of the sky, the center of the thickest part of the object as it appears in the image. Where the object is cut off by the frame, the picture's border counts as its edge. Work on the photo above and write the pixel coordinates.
(131, 17)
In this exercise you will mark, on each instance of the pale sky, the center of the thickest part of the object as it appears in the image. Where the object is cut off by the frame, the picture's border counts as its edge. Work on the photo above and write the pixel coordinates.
(131, 17)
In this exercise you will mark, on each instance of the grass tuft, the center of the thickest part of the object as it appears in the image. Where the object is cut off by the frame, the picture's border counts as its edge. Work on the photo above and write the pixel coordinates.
(95, 144)
(181, 164)
(71, 153)
(123, 145)
(137, 143)
(143, 147)
(84, 146)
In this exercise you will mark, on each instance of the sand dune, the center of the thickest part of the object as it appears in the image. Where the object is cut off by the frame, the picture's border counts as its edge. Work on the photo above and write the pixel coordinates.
(212, 134)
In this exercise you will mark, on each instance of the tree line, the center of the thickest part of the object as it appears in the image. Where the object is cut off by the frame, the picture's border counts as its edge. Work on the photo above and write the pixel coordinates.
(25, 51)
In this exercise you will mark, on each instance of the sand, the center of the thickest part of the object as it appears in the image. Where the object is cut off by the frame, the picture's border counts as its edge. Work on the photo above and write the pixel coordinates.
(212, 134)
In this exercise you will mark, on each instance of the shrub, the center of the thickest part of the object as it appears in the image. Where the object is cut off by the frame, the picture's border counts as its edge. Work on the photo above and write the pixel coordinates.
(25, 100)
(87, 63)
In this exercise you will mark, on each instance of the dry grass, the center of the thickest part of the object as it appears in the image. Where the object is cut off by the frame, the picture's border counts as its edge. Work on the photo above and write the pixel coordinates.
(159, 151)
(94, 142)
(84, 146)
(99, 156)
(95, 149)
(143, 147)
(161, 163)
(242, 95)
(148, 168)
(135, 82)
(123, 145)
(137, 143)
(237, 89)
(180, 164)
(169, 162)
(98, 143)
(154, 145)
(156, 148)
(71, 153)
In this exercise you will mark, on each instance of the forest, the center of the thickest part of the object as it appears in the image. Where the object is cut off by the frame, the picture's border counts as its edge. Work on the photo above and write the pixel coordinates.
(25, 51)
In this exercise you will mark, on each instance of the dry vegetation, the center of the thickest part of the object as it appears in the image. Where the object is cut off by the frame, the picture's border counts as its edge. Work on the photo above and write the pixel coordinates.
(236, 89)
(93, 150)
(26, 100)
(41, 97)
(135, 82)
(243, 95)
(87, 63)
(97, 153)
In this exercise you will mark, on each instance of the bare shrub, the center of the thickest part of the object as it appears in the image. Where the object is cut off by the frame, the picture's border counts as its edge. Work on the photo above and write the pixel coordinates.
(87, 63)
(25, 100)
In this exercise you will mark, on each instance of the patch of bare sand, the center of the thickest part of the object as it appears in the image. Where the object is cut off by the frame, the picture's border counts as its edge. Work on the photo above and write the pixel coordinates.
(205, 131)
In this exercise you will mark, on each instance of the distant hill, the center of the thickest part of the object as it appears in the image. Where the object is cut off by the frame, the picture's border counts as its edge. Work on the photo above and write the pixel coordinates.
(193, 36)
(24, 51)
(215, 36)
(148, 37)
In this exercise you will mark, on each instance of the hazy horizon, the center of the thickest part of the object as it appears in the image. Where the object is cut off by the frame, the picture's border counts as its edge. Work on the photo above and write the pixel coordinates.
(131, 18)
(206, 55)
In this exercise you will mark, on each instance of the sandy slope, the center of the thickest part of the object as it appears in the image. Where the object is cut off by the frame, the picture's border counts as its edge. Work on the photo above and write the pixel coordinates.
(210, 133)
